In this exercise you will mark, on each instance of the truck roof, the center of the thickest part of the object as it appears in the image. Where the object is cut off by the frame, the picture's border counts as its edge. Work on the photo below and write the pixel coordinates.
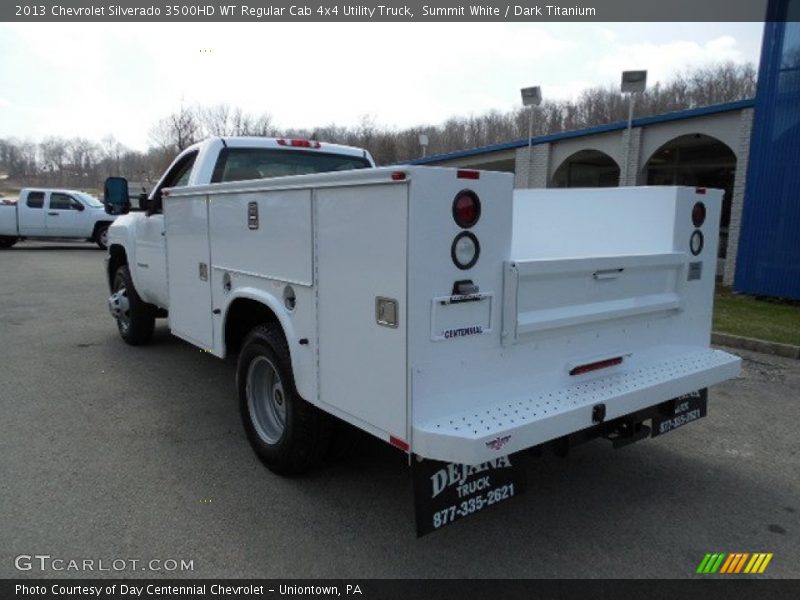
(50, 189)
(270, 142)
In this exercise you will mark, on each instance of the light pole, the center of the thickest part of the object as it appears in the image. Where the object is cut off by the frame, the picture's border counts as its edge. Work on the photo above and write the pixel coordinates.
(423, 141)
(632, 82)
(531, 97)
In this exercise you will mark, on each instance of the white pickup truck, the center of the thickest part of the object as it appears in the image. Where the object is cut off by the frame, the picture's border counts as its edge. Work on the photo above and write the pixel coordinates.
(53, 213)
(433, 308)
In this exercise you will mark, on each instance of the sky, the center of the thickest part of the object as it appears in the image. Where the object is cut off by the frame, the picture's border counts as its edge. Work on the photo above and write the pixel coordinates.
(98, 79)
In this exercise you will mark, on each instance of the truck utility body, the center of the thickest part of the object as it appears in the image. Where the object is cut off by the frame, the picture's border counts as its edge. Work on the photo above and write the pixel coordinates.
(444, 313)
(462, 378)
(53, 213)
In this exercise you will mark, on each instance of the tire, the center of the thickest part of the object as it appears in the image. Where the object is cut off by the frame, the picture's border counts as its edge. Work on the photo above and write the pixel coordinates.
(288, 434)
(138, 319)
(101, 236)
(7, 242)
(348, 441)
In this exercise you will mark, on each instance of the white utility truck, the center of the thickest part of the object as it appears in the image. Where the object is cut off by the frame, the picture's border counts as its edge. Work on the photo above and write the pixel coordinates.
(433, 308)
(48, 213)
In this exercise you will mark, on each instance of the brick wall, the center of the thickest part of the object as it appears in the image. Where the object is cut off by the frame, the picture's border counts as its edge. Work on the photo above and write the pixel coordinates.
(538, 168)
(737, 199)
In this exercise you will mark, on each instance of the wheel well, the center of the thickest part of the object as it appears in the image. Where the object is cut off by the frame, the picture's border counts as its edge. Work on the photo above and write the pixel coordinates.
(98, 225)
(117, 258)
(243, 315)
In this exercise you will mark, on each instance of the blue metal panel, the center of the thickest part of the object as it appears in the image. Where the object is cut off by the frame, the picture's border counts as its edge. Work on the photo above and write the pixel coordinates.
(768, 262)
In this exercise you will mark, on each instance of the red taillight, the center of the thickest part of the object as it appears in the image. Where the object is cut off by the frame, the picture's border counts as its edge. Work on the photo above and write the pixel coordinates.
(398, 176)
(698, 214)
(595, 366)
(468, 174)
(700, 191)
(298, 143)
(466, 209)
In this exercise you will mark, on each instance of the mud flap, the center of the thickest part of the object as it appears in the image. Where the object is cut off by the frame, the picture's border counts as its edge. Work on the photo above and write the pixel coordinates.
(446, 492)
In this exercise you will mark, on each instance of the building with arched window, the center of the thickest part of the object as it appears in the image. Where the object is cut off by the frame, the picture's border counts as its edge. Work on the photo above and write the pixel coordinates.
(702, 147)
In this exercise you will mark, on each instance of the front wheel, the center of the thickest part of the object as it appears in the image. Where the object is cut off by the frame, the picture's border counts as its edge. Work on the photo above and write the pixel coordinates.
(7, 241)
(101, 236)
(136, 319)
(288, 434)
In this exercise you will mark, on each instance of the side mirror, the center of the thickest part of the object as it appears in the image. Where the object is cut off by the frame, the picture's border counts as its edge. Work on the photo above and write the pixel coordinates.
(116, 197)
(144, 201)
(78, 206)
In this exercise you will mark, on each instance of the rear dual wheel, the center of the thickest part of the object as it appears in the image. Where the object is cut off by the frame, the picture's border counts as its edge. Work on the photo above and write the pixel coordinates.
(288, 434)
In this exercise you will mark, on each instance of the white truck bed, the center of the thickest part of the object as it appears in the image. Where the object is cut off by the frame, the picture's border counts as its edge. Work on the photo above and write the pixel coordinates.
(8, 220)
(594, 275)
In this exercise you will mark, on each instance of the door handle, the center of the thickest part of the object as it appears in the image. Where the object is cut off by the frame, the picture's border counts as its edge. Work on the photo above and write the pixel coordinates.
(607, 274)
(53, 214)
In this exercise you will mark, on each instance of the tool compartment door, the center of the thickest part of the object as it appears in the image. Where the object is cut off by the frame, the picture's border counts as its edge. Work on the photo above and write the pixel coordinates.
(361, 257)
(188, 269)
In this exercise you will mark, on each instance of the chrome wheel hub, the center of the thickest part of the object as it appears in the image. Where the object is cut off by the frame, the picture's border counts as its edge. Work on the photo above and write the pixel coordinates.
(266, 400)
(120, 308)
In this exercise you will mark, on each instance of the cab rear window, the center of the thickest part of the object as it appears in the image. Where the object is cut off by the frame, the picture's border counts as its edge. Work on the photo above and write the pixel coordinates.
(35, 200)
(238, 164)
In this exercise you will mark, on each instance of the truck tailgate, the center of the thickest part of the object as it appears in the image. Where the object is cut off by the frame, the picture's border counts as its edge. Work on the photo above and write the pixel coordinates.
(8, 220)
(547, 294)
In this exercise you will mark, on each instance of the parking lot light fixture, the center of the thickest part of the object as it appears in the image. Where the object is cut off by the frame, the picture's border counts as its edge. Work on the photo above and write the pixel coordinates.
(633, 82)
(423, 141)
(531, 97)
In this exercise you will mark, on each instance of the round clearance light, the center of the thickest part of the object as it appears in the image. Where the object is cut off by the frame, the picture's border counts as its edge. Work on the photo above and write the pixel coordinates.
(699, 214)
(465, 250)
(696, 242)
(466, 209)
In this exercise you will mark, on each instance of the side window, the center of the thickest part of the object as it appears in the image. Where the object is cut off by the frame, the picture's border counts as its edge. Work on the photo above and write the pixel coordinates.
(59, 201)
(183, 176)
(177, 177)
(35, 200)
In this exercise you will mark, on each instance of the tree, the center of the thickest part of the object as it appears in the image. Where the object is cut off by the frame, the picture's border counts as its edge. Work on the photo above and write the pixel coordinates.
(177, 131)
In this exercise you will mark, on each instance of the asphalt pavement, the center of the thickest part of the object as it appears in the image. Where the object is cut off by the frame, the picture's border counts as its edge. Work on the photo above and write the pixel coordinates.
(109, 453)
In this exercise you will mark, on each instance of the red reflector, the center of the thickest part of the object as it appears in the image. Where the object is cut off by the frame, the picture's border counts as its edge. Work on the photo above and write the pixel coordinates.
(399, 443)
(464, 174)
(600, 364)
(699, 190)
(398, 176)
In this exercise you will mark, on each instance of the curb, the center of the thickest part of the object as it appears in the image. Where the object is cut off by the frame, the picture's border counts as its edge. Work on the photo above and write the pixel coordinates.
(746, 343)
